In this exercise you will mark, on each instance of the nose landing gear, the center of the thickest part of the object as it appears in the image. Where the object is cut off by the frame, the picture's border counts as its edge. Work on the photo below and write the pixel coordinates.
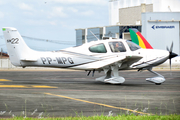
(157, 80)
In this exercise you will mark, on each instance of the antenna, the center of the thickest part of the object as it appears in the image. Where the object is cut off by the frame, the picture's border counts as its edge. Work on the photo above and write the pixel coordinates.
(94, 35)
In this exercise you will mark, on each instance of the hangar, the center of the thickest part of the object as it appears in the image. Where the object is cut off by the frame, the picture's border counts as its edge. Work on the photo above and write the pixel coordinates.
(157, 20)
(160, 29)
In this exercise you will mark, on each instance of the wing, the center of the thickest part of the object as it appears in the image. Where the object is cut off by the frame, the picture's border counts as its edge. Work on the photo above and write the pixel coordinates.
(98, 62)
(112, 60)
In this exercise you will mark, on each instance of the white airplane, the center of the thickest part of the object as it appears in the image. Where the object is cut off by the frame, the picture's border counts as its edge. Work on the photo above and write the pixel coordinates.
(109, 55)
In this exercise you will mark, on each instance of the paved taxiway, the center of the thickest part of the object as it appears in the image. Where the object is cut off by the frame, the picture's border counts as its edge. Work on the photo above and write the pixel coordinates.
(71, 93)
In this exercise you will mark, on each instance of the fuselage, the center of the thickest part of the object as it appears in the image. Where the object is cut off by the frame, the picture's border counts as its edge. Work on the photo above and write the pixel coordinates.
(82, 57)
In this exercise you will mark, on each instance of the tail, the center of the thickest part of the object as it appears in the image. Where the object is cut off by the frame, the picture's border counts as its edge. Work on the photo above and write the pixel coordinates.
(17, 49)
(137, 38)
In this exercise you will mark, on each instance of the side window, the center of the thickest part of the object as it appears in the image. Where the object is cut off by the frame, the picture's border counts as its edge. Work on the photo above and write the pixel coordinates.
(99, 48)
(117, 47)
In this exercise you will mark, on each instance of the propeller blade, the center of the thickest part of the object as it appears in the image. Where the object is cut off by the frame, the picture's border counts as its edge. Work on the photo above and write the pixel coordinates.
(171, 48)
(167, 48)
(170, 63)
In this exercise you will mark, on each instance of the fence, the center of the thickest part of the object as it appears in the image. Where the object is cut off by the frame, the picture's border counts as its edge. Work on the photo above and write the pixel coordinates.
(6, 63)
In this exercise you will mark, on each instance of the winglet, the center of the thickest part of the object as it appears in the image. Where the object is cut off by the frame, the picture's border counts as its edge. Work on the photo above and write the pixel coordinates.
(137, 38)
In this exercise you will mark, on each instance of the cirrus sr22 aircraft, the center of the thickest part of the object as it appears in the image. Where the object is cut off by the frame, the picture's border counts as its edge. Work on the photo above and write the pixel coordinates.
(110, 56)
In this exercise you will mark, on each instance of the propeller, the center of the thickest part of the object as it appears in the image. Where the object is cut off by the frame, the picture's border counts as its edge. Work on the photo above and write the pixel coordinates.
(171, 54)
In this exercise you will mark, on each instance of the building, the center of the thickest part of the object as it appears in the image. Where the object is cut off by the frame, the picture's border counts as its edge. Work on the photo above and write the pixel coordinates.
(157, 20)
(161, 29)
(157, 6)
(95, 33)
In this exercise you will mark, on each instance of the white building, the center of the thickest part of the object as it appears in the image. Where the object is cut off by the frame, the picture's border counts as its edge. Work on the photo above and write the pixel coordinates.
(158, 6)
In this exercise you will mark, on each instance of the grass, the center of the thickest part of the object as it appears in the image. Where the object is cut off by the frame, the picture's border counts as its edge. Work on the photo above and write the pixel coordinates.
(102, 117)
(44, 112)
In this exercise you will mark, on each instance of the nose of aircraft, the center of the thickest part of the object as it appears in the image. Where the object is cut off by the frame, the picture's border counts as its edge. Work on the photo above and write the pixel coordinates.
(172, 55)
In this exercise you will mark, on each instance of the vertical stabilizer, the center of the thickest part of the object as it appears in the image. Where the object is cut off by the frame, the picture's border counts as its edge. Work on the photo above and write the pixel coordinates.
(137, 38)
(16, 47)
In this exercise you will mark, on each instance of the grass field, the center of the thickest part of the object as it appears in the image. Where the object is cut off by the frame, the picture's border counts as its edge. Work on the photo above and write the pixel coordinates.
(120, 117)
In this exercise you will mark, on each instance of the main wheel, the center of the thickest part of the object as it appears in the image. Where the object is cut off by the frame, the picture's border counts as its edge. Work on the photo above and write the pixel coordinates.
(158, 83)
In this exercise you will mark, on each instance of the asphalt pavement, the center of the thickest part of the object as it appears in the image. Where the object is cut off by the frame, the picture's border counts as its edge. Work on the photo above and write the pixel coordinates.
(50, 93)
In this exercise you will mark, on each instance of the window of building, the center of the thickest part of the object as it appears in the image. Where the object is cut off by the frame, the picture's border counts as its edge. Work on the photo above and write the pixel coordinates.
(117, 47)
(99, 48)
(83, 37)
(101, 36)
(133, 46)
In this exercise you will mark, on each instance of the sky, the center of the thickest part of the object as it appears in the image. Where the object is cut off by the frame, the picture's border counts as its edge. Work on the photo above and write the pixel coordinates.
(51, 19)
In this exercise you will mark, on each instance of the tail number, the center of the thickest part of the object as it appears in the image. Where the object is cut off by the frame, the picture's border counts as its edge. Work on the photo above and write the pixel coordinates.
(60, 60)
(13, 41)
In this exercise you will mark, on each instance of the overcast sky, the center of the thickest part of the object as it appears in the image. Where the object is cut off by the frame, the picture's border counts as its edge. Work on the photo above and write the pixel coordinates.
(52, 19)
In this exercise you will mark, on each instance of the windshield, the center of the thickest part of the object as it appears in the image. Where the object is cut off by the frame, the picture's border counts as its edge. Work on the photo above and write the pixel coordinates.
(133, 46)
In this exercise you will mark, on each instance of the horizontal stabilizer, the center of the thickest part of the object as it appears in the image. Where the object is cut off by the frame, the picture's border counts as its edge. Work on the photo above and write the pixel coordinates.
(28, 59)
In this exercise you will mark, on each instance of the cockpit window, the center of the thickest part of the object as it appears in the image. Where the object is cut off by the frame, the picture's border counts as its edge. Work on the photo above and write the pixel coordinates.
(133, 46)
(99, 48)
(117, 47)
